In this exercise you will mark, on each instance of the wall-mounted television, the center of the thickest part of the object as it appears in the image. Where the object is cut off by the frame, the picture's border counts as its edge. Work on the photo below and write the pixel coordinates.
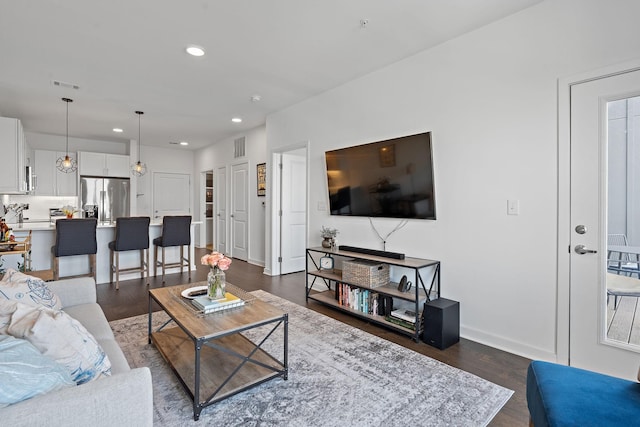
(390, 179)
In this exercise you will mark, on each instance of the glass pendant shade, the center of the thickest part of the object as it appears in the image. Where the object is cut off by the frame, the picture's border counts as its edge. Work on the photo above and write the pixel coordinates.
(138, 168)
(67, 164)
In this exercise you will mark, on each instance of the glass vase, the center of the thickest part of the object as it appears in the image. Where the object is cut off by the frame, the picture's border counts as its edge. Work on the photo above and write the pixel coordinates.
(216, 282)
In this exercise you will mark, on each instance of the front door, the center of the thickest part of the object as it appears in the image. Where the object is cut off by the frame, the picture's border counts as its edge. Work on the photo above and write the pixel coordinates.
(591, 195)
(240, 211)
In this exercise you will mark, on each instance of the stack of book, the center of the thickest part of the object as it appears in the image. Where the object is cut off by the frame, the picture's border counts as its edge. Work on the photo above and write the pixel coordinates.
(403, 317)
(210, 306)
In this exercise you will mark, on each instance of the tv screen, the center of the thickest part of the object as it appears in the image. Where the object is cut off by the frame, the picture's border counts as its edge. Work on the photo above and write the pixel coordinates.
(391, 179)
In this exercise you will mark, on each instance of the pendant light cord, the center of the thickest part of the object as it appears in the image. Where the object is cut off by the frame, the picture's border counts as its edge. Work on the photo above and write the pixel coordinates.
(139, 113)
(67, 100)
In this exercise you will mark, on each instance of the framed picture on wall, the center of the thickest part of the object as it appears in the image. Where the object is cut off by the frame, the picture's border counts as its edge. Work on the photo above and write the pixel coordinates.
(262, 179)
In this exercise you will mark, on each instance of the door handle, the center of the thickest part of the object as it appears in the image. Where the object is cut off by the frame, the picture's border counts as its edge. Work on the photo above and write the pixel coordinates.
(582, 249)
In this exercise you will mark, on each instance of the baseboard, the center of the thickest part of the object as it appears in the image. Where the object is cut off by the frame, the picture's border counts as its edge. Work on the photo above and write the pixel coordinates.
(509, 346)
(256, 262)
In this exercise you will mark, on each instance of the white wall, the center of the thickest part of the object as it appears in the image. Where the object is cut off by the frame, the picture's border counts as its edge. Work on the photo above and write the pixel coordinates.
(221, 154)
(490, 99)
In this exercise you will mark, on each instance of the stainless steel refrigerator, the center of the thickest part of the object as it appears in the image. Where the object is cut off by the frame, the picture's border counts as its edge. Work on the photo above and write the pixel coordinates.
(104, 198)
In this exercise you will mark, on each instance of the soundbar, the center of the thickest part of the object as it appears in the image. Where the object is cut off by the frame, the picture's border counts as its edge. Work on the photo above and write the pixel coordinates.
(385, 254)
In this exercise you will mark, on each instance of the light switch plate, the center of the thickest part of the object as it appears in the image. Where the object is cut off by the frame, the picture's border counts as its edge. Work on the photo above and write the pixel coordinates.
(513, 207)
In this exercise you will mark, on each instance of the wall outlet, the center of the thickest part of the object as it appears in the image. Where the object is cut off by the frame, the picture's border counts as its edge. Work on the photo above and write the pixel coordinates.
(322, 206)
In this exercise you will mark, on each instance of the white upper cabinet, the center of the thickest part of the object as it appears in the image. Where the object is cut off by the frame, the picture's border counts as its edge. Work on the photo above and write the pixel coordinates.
(12, 172)
(49, 180)
(101, 164)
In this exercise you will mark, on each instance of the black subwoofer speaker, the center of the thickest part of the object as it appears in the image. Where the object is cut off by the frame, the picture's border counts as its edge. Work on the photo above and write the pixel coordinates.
(441, 323)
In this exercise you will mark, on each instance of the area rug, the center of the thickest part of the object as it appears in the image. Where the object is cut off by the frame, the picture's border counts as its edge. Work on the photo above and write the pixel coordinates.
(338, 376)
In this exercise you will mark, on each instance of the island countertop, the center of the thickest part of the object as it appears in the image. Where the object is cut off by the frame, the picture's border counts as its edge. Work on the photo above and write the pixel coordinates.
(45, 225)
(43, 239)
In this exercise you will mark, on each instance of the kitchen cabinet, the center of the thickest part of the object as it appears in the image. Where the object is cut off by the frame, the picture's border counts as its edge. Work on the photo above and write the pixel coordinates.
(12, 172)
(101, 164)
(49, 180)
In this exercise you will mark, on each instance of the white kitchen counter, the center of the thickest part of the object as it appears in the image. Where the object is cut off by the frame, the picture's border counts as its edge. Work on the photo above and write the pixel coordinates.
(43, 239)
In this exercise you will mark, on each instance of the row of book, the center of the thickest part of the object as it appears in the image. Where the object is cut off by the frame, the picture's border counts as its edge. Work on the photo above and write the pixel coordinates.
(363, 300)
(376, 304)
(206, 305)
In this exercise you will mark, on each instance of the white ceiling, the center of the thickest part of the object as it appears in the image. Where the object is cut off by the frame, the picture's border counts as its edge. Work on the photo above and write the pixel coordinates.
(129, 55)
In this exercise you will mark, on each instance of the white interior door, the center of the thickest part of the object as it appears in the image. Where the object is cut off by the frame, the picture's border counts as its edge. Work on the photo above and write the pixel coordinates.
(589, 346)
(294, 211)
(220, 190)
(240, 211)
(171, 194)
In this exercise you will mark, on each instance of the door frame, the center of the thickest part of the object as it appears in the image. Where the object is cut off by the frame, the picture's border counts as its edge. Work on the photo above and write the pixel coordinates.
(221, 232)
(202, 235)
(274, 192)
(564, 197)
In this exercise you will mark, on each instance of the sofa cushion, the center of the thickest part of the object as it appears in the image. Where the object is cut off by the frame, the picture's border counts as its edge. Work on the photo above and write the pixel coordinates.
(62, 338)
(118, 361)
(28, 290)
(25, 373)
(92, 318)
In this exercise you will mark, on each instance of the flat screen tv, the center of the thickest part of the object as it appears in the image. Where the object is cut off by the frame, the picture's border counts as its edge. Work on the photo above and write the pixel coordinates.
(390, 179)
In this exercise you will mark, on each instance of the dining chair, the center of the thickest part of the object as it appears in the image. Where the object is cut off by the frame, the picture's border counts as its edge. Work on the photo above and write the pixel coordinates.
(176, 231)
(132, 233)
(76, 236)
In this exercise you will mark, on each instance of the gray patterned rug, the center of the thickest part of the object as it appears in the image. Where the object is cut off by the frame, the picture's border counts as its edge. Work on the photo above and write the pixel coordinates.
(338, 376)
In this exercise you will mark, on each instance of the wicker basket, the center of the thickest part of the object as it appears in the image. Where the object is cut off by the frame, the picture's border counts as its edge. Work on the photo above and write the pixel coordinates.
(368, 274)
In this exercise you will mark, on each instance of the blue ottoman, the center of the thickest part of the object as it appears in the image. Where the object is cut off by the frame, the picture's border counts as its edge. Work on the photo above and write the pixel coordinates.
(559, 395)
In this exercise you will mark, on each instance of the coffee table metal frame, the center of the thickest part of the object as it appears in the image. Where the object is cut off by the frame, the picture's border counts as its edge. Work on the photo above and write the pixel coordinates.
(224, 338)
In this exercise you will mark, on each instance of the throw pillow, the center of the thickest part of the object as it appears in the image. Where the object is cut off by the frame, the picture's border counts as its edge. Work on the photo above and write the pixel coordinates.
(7, 307)
(27, 289)
(63, 339)
(25, 373)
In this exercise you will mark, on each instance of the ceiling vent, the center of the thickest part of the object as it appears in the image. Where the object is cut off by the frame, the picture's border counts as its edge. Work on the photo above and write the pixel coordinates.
(65, 84)
(238, 147)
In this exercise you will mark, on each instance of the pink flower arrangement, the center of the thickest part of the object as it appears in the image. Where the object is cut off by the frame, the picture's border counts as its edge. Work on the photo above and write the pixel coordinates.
(216, 260)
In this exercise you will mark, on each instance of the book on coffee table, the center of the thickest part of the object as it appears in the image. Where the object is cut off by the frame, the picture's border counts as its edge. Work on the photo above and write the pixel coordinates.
(209, 306)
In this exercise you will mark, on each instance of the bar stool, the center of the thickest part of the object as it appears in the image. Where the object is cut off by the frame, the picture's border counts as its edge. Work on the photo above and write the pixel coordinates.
(176, 231)
(75, 237)
(132, 233)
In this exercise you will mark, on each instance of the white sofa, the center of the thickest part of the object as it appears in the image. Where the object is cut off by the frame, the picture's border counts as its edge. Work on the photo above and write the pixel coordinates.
(123, 399)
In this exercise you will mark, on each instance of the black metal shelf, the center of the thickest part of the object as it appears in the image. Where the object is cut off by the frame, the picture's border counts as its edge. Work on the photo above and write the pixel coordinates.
(417, 295)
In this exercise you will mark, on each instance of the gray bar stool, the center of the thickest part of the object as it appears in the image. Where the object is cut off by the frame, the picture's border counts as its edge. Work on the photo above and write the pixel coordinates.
(75, 237)
(132, 234)
(176, 231)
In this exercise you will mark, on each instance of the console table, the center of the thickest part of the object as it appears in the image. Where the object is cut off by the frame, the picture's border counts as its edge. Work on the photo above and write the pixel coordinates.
(416, 268)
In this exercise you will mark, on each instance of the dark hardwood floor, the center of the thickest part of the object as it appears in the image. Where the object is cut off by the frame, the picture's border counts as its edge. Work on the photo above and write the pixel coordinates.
(494, 365)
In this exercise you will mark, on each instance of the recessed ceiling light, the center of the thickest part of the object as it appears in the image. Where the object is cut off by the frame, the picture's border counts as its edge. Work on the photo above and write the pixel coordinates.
(117, 130)
(236, 120)
(184, 143)
(195, 50)
(256, 98)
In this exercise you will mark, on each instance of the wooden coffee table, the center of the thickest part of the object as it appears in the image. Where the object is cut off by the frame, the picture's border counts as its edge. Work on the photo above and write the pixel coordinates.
(208, 352)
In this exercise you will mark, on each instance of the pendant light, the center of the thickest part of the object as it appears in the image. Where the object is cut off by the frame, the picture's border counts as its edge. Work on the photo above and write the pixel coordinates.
(139, 168)
(67, 164)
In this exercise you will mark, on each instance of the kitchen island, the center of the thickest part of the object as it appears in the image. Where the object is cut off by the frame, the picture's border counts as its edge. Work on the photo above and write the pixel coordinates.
(43, 238)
